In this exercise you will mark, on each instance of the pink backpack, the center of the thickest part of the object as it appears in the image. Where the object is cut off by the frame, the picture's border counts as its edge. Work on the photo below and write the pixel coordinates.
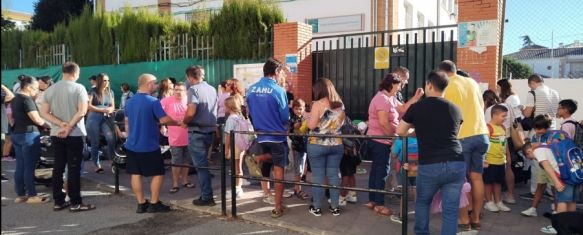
(243, 141)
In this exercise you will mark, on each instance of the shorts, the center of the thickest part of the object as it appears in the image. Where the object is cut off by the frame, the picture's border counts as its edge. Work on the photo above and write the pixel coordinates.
(571, 193)
(145, 164)
(180, 155)
(300, 162)
(542, 177)
(266, 169)
(278, 152)
(348, 165)
(221, 120)
(494, 174)
(412, 181)
(474, 150)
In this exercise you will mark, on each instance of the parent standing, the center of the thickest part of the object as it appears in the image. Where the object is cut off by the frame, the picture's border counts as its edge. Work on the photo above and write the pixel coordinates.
(101, 105)
(441, 165)
(473, 135)
(383, 119)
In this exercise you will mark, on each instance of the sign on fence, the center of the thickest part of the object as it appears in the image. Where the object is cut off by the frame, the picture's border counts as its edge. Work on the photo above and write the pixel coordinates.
(381, 57)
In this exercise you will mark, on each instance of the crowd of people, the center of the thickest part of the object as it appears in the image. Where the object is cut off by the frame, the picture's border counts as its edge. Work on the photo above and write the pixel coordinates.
(461, 141)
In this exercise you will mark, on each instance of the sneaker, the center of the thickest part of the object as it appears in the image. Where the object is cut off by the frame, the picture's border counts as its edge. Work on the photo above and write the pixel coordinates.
(8, 159)
(530, 212)
(200, 202)
(81, 207)
(342, 201)
(143, 207)
(315, 211)
(510, 200)
(269, 200)
(351, 197)
(239, 192)
(158, 207)
(491, 206)
(396, 219)
(502, 207)
(335, 211)
(548, 229)
(4, 179)
(527, 196)
(360, 171)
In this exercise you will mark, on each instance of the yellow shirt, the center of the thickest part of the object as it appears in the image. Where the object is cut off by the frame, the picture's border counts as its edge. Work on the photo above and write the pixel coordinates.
(465, 94)
(497, 152)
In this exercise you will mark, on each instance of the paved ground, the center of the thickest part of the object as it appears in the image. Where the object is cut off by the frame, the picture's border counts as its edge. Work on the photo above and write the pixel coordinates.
(355, 218)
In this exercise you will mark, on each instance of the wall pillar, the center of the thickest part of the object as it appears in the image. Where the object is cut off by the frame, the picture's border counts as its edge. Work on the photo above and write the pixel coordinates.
(482, 67)
(295, 38)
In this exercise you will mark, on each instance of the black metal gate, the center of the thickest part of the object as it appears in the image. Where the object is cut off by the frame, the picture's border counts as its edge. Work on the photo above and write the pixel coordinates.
(348, 60)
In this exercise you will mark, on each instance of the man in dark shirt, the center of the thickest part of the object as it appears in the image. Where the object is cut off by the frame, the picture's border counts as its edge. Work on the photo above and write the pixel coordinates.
(441, 164)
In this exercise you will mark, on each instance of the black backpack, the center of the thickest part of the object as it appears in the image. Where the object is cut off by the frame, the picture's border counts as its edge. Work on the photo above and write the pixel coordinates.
(352, 146)
(578, 138)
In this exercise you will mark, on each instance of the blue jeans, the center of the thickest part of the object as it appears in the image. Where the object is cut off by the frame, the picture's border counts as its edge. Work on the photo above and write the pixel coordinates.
(198, 147)
(96, 125)
(449, 178)
(379, 170)
(325, 163)
(27, 150)
(474, 150)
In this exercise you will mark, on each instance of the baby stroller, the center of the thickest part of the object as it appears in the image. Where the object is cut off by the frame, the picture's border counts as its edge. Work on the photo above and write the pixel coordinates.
(119, 153)
(43, 173)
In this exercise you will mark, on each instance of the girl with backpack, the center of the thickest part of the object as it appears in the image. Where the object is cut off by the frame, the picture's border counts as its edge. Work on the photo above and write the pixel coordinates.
(236, 122)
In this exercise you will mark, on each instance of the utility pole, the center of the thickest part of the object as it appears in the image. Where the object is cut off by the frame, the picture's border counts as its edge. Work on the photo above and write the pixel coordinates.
(552, 53)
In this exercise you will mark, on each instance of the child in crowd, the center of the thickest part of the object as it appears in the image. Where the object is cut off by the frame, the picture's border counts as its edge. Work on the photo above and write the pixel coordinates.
(299, 144)
(565, 111)
(495, 164)
(233, 108)
(410, 166)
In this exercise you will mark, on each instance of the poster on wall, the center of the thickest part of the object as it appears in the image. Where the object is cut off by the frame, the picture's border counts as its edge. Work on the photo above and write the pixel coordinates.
(291, 61)
(381, 57)
(248, 74)
(478, 33)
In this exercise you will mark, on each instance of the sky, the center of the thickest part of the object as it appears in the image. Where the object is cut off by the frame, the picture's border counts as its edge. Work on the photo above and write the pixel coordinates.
(542, 20)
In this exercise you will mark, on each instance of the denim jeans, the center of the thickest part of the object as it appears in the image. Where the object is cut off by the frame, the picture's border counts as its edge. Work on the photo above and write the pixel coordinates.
(198, 146)
(325, 163)
(96, 125)
(449, 178)
(474, 150)
(379, 170)
(68, 151)
(27, 150)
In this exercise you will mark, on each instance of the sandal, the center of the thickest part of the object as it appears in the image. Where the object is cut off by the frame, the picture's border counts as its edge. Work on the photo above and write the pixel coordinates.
(287, 194)
(383, 211)
(20, 199)
(61, 207)
(174, 189)
(81, 207)
(301, 195)
(464, 227)
(37, 199)
(276, 214)
(189, 185)
(370, 205)
(476, 226)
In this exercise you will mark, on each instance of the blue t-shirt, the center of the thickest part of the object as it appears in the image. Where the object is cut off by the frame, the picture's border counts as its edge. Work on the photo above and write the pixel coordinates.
(143, 112)
(412, 148)
(204, 96)
(268, 109)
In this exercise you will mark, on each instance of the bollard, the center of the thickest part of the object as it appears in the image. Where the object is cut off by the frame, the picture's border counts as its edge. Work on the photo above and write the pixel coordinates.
(223, 172)
(233, 177)
(116, 177)
(405, 192)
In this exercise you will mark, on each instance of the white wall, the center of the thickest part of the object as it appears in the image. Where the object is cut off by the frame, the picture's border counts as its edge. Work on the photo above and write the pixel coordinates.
(540, 66)
(428, 9)
(114, 5)
(567, 88)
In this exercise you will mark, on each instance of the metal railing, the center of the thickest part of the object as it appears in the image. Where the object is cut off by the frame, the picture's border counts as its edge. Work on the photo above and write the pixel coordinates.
(403, 193)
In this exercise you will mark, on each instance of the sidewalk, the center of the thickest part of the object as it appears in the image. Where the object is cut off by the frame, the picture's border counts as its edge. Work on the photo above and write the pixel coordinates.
(355, 218)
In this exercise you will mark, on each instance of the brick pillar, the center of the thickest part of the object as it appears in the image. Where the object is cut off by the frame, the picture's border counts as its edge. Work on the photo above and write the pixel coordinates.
(482, 67)
(295, 38)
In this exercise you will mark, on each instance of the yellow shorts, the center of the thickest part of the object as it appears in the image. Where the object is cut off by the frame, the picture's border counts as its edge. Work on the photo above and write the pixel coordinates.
(543, 178)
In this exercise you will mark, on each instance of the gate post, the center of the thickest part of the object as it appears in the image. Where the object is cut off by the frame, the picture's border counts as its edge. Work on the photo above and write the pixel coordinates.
(296, 38)
(483, 67)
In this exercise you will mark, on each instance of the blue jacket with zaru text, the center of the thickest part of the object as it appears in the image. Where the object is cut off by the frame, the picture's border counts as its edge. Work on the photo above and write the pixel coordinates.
(268, 109)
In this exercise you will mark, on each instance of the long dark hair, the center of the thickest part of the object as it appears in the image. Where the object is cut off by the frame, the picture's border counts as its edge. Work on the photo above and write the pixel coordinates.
(323, 88)
(505, 89)
(99, 85)
(490, 98)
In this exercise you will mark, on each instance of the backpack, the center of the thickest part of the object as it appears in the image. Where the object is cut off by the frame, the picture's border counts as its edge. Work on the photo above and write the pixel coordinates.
(243, 141)
(578, 138)
(569, 160)
(352, 146)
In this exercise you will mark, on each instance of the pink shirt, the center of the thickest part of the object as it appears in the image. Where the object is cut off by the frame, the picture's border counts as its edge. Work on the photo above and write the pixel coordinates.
(382, 102)
(221, 103)
(176, 109)
(570, 128)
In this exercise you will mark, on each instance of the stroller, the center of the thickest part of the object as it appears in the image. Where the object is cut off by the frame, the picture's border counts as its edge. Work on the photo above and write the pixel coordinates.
(119, 152)
(43, 173)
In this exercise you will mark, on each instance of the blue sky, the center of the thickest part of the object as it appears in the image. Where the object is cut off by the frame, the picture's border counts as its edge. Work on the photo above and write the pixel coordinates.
(537, 18)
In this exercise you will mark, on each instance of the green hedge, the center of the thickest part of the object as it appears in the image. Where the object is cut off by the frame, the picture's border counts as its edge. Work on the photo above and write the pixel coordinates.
(236, 31)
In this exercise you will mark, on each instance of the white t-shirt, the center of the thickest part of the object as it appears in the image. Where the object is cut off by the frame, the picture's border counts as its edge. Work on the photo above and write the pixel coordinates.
(545, 154)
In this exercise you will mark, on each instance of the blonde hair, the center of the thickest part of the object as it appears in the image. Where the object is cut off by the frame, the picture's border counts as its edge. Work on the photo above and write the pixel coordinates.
(233, 105)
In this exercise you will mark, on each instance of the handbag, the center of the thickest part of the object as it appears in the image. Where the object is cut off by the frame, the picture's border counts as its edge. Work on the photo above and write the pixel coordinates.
(517, 136)
(528, 121)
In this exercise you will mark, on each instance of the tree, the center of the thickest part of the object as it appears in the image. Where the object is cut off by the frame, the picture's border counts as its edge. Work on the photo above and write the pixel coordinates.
(7, 24)
(515, 69)
(526, 41)
(48, 13)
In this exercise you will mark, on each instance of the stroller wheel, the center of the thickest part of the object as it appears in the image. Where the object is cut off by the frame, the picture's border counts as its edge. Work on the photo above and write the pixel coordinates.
(114, 168)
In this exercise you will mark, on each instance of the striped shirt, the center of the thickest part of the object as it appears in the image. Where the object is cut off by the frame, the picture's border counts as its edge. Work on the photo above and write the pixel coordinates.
(547, 101)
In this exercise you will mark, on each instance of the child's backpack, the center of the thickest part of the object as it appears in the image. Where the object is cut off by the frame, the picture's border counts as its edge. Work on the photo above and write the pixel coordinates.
(569, 160)
(352, 146)
(578, 138)
(243, 141)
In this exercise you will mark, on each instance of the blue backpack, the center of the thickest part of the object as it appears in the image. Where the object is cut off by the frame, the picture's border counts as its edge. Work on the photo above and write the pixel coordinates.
(569, 160)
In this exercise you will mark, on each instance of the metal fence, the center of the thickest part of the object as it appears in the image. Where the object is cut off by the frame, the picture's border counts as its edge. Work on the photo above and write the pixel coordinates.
(348, 60)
